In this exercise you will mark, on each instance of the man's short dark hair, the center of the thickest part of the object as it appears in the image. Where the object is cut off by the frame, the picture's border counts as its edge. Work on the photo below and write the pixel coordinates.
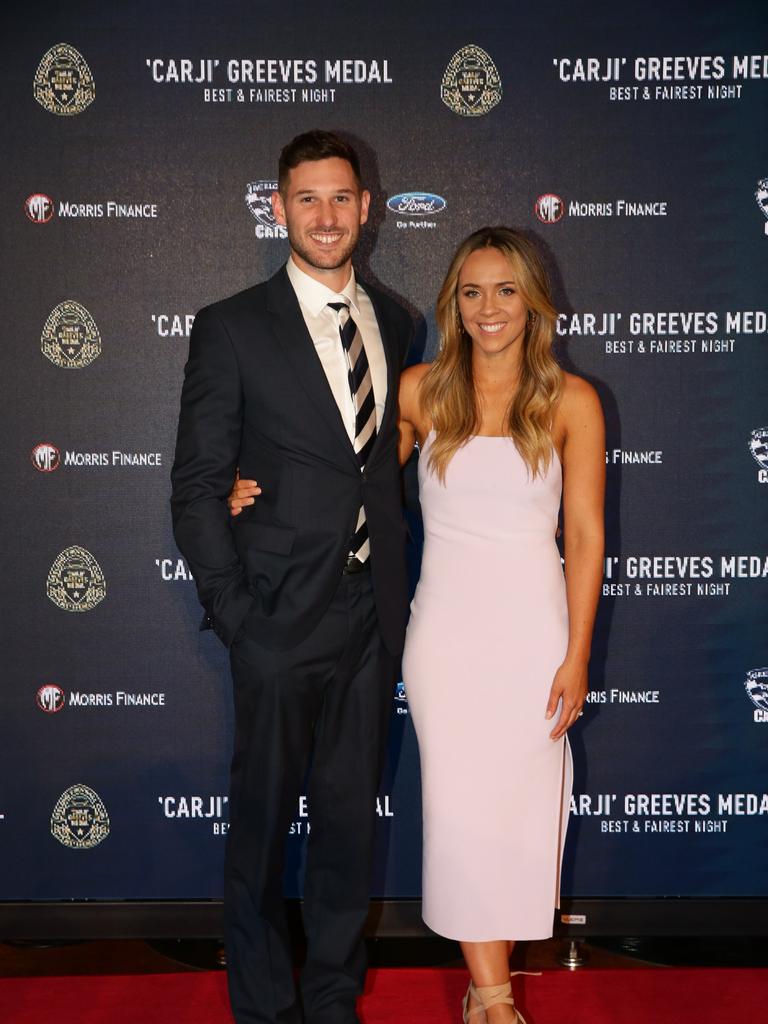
(315, 145)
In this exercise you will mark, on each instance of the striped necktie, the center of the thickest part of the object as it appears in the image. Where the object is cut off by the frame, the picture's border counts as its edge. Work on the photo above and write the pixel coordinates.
(361, 389)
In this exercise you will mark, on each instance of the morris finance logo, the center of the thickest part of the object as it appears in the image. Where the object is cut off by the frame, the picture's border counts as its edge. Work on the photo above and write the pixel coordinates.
(75, 581)
(758, 447)
(80, 820)
(258, 199)
(63, 81)
(761, 198)
(471, 84)
(50, 698)
(45, 457)
(756, 685)
(70, 337)
(549, 208)
(39, 208)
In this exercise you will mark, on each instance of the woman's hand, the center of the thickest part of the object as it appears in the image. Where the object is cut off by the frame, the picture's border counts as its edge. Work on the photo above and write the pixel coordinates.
(243, 493)
(570, 684)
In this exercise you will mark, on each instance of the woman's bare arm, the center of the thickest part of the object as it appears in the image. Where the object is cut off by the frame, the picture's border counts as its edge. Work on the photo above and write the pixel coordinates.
(580, 422)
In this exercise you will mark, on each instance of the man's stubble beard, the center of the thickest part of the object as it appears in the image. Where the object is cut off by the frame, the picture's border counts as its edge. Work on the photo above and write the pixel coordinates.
(311, 257)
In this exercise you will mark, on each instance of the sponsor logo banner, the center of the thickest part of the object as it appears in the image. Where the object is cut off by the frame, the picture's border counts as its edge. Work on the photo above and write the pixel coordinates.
(418, 207)
(45, 457)
(551, 208)
(416, 204)
(761, 198)
(614, 696)
(50, 698)
(758, 447)
(634, 457)
(258, 199)
(756, 685)
(39, 208)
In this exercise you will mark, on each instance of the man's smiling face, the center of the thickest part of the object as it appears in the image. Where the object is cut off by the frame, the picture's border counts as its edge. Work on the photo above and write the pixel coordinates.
(323, 208)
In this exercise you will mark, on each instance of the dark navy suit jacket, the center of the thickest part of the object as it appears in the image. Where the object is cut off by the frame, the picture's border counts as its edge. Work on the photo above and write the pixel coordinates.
(255, 396)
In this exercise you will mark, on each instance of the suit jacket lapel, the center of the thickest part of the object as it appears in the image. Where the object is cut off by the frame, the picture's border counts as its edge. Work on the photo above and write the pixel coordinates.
(297, 344)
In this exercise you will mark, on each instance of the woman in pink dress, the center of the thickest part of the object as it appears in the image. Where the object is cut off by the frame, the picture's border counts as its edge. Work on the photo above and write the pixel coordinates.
(496, 655)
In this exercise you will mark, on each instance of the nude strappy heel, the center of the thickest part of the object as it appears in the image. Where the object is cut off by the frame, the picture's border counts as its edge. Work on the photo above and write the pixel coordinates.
(466, 1013)
(490, 995)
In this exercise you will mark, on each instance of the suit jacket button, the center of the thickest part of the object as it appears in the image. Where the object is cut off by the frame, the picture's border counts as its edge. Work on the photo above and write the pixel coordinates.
(364, 477)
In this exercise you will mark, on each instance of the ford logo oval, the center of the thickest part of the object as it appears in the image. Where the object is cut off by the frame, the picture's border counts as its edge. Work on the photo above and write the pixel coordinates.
(416, 204)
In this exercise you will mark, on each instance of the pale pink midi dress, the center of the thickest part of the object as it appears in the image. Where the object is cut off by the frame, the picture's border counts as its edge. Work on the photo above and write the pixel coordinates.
(488, 630)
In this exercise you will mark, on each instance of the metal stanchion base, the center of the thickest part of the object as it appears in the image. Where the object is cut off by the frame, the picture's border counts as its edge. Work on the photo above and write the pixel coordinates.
(572, 954)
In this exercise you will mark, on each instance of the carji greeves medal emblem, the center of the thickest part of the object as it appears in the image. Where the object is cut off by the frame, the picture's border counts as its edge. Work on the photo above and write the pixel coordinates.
(471, 84)
(70, 337)
(80, 820)
(63, 81)
(75, 581)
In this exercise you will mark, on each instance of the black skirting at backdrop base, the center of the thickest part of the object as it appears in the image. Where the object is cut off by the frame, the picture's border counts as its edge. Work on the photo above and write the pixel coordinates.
(98, 919)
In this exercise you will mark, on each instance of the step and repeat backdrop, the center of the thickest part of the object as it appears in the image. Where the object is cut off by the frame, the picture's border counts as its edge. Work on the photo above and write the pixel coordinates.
(140, 152)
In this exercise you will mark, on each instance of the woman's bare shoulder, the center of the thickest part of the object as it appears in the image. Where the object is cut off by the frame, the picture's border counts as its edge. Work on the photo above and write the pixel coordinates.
(412, 376)
(578, 396)
(410, 382)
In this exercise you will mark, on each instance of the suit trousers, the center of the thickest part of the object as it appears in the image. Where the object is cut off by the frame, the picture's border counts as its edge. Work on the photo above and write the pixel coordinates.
(322, 706)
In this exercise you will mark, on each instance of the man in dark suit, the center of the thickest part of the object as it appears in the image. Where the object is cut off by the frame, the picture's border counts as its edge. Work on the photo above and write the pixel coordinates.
(294, 381)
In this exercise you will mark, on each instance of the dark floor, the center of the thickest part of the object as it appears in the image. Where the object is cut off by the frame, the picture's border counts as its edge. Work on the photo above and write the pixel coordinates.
(136, 956)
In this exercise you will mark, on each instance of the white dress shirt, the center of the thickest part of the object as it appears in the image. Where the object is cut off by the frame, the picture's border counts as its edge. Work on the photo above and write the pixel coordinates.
(323, 326)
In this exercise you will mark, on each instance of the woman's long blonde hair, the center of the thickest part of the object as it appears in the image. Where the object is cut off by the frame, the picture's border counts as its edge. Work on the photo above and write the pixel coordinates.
(447, 394)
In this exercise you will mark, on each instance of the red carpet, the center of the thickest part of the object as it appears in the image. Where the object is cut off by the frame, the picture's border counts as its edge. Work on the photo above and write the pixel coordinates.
(423, 996)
